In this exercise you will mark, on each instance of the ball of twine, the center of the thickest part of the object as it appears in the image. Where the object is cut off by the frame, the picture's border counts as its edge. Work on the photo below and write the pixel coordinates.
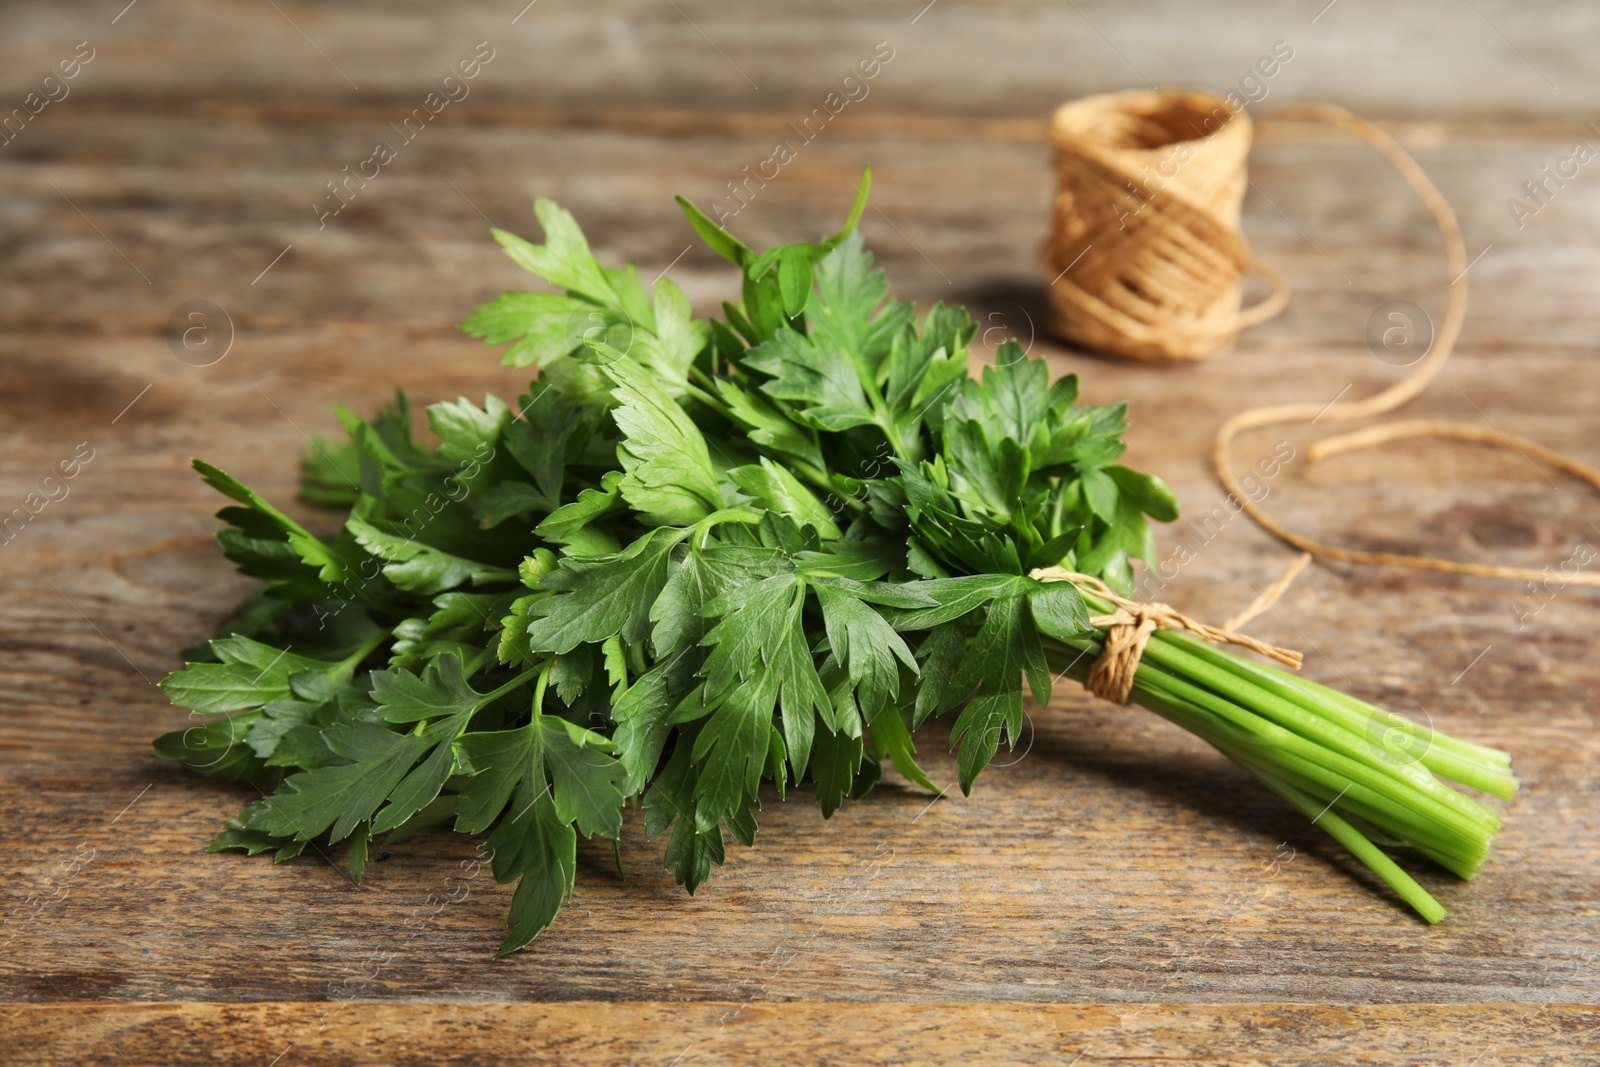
(1145, 250)
(1146, 262)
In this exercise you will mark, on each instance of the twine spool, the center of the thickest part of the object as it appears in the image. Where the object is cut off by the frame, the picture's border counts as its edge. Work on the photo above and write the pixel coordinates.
(1145, 247)
(1146, 260)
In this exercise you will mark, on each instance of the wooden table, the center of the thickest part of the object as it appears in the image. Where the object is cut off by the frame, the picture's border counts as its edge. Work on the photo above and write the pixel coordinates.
(1117, 892)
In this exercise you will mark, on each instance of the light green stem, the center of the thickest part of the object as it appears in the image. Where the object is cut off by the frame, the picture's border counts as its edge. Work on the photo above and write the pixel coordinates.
(1326, 756)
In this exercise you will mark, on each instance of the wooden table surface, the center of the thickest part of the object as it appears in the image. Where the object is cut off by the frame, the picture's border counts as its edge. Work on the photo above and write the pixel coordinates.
(1116, 891)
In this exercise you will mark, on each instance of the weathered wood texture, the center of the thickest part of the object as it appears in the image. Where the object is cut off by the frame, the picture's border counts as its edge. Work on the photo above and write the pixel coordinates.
(1116, 861)
(1430, 60)
(473, 1032)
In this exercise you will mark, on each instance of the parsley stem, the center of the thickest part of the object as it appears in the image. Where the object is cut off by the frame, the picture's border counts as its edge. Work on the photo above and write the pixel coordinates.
(347, 666)
(1478, 766)
(520, 680)
(1328, 758)
(1351, 838)
(702, 529)
(706, 398)
(1315, 725)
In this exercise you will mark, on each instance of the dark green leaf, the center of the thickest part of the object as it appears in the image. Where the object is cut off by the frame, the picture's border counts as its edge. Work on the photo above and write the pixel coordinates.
(1059, 610)
(891, 738)
(217, 749)
(866, 645)
(421, 568)
(536, 848)
(776, 489)
(331, 564)
(601, 596)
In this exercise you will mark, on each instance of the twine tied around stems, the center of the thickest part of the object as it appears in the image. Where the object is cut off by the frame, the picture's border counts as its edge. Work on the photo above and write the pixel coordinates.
(1128, 630)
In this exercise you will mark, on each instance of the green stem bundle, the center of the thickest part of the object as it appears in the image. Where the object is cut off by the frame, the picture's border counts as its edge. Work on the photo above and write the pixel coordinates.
(1363, 774)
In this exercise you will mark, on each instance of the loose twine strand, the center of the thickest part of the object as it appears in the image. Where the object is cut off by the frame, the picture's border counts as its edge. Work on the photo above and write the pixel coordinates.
(1166, 298)
(1128, 630)
(1269, 596)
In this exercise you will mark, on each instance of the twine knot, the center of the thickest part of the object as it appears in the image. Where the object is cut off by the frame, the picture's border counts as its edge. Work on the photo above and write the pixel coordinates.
(1128, 628)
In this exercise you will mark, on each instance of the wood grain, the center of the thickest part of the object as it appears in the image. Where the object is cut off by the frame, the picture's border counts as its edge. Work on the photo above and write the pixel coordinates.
(1116, 889)
(662, 1032)
(956, 220)
(1432, 59)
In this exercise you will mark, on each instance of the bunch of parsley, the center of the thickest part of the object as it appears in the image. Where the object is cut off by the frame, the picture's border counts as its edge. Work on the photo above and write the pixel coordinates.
(701, 555)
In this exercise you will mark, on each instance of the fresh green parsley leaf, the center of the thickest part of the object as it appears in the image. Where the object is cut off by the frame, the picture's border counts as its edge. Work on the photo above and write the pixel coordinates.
(667, 477)
(775, 489)
(421, 568)
(597, 597)
(331, 564)
(866, 646)
(218, 749)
